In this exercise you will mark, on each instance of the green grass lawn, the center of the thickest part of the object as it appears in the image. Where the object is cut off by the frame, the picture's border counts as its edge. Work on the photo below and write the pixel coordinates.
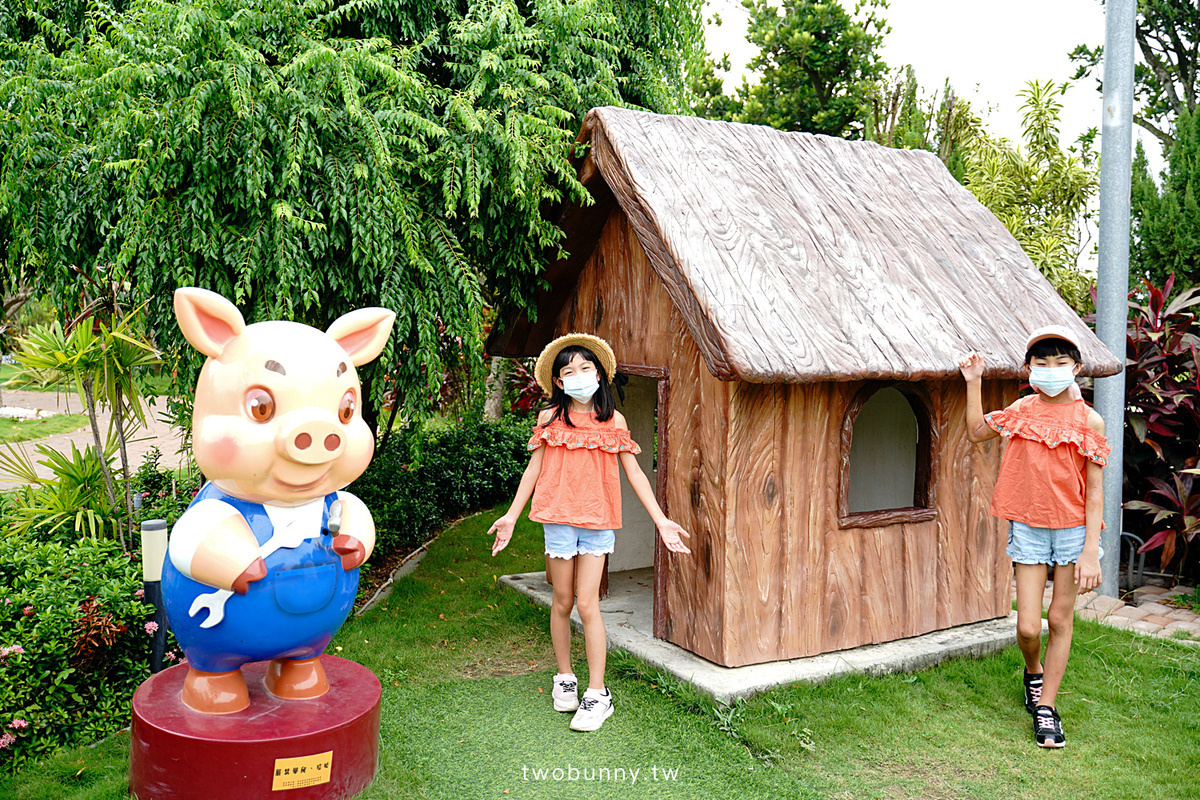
(466, 667)
(24, 430)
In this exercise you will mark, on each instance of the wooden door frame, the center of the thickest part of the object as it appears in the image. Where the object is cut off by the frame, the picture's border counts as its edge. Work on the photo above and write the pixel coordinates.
(663, 376)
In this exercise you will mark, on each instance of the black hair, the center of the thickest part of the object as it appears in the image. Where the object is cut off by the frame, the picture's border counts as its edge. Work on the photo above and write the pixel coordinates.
(560, 401)
(1047, 348)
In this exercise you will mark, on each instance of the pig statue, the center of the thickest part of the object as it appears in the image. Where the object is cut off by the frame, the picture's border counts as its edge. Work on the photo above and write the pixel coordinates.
(263, 565)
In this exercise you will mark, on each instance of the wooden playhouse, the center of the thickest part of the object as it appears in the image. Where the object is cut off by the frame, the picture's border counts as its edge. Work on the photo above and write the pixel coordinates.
(793, 307)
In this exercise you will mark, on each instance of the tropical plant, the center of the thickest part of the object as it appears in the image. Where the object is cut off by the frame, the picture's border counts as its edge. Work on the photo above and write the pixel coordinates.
(1176, 510)
(1162, 407)
(101, 365)
(1162, 414)
(527, 393)
(72, 503)
(1039, 191)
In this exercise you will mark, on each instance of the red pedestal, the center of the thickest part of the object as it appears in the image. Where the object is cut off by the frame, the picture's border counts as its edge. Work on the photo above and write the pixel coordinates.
(274, 750)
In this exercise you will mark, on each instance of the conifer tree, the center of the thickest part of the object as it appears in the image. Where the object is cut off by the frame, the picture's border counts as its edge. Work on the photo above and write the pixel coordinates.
(1166, 221)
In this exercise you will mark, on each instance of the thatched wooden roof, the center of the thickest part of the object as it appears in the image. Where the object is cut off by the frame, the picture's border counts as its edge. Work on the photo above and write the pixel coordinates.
(795, 257)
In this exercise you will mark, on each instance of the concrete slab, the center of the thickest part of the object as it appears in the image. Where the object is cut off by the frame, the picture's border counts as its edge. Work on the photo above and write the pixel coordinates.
(628, 619)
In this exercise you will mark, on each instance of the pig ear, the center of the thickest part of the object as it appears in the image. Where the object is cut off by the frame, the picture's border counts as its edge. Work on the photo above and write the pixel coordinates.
(207, 319)
(363, 333)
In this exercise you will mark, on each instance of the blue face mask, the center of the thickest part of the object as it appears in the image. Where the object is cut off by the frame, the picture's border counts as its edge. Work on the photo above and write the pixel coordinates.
(1051, 381)
(581, 386)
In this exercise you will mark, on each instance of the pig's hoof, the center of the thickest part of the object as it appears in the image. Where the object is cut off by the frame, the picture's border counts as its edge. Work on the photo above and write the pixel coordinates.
(215, 692)
(296, 679)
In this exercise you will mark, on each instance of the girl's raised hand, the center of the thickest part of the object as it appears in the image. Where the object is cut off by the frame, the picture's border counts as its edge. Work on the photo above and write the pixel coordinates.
(971, 366)
(503, 528)
(670, 532)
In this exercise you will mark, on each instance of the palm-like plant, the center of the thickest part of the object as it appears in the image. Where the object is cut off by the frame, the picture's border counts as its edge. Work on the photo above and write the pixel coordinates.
(99, 363)
(74, 494)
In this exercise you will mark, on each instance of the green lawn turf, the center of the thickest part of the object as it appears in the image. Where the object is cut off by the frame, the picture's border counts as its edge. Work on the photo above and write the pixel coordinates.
(24, 430)
(466, 667)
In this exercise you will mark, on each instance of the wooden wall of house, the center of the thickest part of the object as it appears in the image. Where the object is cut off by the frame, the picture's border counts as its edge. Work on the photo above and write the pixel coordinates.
(753, 474)
(795, 584)
(620, 298)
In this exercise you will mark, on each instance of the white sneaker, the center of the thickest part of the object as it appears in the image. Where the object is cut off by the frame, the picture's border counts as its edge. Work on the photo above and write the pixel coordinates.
(566, 696)
(595, 707)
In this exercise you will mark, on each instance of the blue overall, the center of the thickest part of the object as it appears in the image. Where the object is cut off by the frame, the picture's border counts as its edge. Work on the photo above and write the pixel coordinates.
(293, 612)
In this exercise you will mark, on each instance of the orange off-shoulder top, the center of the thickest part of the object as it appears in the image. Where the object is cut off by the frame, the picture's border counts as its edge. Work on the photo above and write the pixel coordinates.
(1042, 479)
(580, 483)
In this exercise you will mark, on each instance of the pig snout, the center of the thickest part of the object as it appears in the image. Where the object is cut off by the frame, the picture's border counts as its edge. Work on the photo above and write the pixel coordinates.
(312, 438)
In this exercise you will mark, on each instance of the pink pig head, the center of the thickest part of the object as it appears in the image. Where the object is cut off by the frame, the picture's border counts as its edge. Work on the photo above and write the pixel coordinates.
(278, 411)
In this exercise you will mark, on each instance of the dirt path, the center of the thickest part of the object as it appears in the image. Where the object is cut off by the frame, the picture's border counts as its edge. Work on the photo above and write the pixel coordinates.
(159, 434)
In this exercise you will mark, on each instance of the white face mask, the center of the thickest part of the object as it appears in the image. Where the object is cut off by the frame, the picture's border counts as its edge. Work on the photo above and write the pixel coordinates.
(1051, 380)
(581, 386)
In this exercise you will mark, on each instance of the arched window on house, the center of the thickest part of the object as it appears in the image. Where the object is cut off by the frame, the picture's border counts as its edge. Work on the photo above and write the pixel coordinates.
(887, 457)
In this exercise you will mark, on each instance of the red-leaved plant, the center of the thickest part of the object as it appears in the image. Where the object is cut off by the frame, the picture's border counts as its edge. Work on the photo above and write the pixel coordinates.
(1162, 412)
(527, 393)
(1177, 506)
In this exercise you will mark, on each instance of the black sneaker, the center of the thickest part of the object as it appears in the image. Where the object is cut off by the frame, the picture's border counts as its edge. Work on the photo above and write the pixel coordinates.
(1047, 727)
(1033, 690)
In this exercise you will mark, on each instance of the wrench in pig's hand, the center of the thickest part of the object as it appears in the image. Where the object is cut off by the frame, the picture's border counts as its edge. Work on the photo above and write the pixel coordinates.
(335, 517)
(351, 550)
(289, 536)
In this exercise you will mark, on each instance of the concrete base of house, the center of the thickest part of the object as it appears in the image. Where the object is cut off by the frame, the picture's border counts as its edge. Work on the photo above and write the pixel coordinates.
(628, 620)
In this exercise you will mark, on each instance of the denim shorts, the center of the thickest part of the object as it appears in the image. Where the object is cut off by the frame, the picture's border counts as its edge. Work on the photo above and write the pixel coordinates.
(567, 541)
(1029, 545)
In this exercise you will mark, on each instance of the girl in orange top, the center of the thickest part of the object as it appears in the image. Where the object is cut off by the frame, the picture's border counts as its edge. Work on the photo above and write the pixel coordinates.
(572, 475)
(1050, 488)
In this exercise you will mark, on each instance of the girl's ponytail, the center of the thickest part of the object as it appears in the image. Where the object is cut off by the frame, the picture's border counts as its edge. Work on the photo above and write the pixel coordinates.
(619, 382)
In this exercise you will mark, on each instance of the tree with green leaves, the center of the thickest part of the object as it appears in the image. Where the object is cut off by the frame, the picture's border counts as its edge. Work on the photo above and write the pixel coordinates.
(898, 114)
(1166, 221)
(1038, 190)
(1168, 40)
(816, 62)
(305, 157)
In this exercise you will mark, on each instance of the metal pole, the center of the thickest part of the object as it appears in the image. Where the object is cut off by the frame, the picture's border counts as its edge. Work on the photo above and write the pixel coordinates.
(1112, 285)
(154, 551)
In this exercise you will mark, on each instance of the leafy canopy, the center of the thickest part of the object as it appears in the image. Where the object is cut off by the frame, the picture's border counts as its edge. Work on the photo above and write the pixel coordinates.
(816, 61)
(1168, 41)
(306, 157)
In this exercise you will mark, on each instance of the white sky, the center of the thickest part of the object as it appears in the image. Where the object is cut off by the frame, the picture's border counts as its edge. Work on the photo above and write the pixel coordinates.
(988, 50)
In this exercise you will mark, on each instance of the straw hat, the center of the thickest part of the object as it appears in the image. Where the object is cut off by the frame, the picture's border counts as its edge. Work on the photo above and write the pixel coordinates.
(543, 370)
(1052, 332)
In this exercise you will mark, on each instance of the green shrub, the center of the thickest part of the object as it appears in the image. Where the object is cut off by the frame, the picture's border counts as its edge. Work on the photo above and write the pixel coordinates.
(425, 478)
(73, 643)
(165, 493)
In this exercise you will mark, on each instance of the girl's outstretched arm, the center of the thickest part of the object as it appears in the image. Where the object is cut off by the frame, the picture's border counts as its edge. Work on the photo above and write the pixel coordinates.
(971, 366)
(503, 527)
(669, 531)
(1087, 566)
